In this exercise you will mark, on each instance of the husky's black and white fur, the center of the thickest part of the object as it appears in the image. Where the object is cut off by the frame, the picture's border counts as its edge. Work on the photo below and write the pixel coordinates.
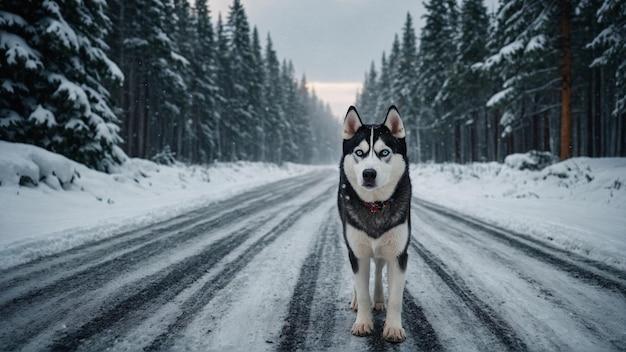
(374, 204)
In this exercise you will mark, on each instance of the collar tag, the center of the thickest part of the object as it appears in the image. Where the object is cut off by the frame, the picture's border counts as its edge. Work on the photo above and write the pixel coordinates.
(376, 206)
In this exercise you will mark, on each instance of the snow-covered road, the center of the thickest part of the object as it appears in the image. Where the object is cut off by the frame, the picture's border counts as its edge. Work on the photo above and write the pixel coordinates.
(268, 270)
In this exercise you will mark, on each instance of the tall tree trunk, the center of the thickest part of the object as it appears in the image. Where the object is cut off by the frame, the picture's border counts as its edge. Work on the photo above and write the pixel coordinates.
(510, 144)
(130, 112)
(141, 117)
(496, 137)
(457, 142)
(473, 147)
(546, 132)
(566, 85)
(597, 112)
(535, 131)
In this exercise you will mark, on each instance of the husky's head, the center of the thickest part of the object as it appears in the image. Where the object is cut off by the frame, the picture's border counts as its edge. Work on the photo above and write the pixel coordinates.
(374, 156)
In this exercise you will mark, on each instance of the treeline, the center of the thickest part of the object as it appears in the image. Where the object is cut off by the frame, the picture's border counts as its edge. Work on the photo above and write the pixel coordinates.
(97, 81)
(536, 75)
(211, 92)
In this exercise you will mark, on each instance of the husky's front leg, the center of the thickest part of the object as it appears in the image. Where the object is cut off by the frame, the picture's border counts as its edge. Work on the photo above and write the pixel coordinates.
(379, 297)
(393, 330)
(364, 323)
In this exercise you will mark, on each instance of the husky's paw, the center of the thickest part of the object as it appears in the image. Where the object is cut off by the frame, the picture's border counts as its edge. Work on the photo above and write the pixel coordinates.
(379, 305)
(354, 305)
(394, 333)
(362, 329)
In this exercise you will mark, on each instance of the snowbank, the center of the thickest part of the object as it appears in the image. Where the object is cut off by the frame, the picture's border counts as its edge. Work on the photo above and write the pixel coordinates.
(49, 203)
(578, 204)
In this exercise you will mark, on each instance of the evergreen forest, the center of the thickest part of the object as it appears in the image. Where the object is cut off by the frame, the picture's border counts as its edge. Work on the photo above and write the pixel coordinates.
(548, 76)
(100, 80)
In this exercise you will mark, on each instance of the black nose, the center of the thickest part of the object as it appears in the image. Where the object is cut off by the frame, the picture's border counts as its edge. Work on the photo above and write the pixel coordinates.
(369, 175)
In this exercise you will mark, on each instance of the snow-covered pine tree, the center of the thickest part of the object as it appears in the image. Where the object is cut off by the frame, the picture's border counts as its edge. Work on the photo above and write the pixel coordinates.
(171, 96)
(203, 85)
(276, 125)
(383, 94)
(53, 69)
(367, 99)
(242, 67)
(467, 87)
(155, 92)
(437, 54)
(291, 143)
(406, 87)
(188, 126)
(612, 41)
(225, 127)
(301, 123)
(258, 100)
(527, 61)
(389, 74)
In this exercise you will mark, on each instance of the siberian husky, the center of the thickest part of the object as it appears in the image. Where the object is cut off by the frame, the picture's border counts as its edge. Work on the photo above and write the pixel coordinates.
(374, 204)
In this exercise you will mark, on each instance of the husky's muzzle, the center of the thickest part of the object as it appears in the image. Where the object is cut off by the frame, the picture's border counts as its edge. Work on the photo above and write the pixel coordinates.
(369, 178)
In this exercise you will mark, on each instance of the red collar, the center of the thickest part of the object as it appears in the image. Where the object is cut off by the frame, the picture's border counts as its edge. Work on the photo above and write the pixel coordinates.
(376, 206)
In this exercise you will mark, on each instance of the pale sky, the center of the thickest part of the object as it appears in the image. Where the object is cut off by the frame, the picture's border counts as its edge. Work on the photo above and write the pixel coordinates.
(332, 42)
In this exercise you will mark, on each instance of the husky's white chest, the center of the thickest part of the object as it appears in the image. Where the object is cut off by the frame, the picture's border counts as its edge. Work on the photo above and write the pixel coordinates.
(388, 246)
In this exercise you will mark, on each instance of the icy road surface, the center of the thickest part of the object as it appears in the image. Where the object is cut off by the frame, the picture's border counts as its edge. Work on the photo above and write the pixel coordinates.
(268, 270)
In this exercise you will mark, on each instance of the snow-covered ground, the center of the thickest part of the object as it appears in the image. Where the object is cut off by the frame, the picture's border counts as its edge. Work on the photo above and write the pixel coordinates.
(579, 204)
(72, 204)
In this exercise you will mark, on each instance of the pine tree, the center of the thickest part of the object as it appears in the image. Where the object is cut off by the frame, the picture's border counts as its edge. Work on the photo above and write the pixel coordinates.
(275, 108)
(257, 99)
(53, 66)
(187, 126)
(527, 62)
(388, 76)
(226, 130)
(290, 147)
(467, 86)
(367, 99)
(384, 95)
(436, 67)
(406, 86)
(242, 69)
(612, 41)
(155, 96)
(203, 85)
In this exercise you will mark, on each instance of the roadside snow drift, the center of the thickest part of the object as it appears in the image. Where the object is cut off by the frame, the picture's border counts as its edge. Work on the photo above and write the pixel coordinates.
(578, 204)
(49, 203)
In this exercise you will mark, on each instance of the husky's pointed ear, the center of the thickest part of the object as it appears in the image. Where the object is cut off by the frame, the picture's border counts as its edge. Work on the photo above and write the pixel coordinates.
(351, 123)
(394, 123)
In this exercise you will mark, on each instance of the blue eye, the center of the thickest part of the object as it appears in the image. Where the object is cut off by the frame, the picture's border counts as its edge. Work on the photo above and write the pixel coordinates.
(359, 152)
(384, 152)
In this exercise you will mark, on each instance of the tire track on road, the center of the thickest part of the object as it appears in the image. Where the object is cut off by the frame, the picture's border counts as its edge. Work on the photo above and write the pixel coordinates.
(417, 325)
(580, 268)
(172, 273)
(68, 289)
(487, 315)
(138, 306)
(129, 253)
(294, 331)
(554, 289)
(96, 250)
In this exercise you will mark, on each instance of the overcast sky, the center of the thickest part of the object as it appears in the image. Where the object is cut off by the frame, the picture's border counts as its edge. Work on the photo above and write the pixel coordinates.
(332, 42)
